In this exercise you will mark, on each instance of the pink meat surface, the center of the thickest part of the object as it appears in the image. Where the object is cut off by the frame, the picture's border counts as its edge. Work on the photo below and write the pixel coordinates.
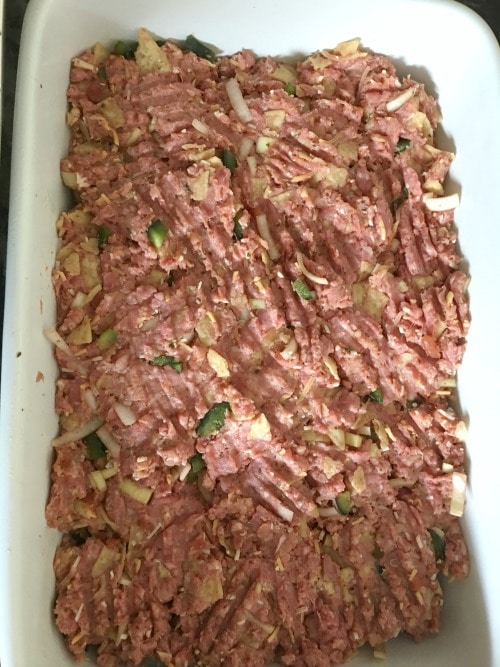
(304, 293)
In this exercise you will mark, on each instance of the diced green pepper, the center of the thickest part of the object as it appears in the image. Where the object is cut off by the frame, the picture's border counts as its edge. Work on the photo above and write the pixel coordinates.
(106, 339)
(103, 234)
(157, 233)
(438, 542)
(377, 395)
(402, 145)
(197, 465)
(229, 160)
(302, 289)
(343, 502)
(167, 360)
(101, 72)
(199, 48)
(290, 89)
(96, 449)
(214, 419)
(126, 49)
(238, 229)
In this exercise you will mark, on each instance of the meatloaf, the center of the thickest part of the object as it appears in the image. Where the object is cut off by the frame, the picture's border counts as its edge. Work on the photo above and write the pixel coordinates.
(260, 315)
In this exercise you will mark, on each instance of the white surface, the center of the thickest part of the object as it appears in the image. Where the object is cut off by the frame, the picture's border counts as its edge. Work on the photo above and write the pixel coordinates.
(440, 42)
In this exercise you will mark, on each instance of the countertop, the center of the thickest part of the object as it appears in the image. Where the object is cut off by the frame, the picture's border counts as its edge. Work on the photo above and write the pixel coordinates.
(13, 17)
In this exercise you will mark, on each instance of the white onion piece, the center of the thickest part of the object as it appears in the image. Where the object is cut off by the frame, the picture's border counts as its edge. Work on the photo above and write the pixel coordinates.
(319, 280)
(290, 348)
(252, 164)
(150, 323)
(238, 101)
(184, 472)
(200, 126)
(79, 300)
(78, 433)
(90, 399)
(438, 204)
(459, 481)
(125, 414)
(263, 228)
(327, 511)
(108, 440)
(257, 304)
(245, 148)
(397, 102)
(58, 341)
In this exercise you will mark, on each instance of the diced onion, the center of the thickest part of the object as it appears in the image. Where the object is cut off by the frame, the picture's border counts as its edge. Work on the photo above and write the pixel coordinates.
(290, 348)
(218, 363)
(265, 233)
(90, 399)
(150, 323)
(83, 64)
(110, 443)
(338, 437)
(438, 204)
(136, 491)
(184, 471)
(97, 480)
(319, 280)
(285, 513)
(397, 102)
(257, 304)
(310, 435)
(379, 652)
(200, 126)
(78, 433)
(263, 143)
(353, 440)
(58, 341)
(358, 480)
(252, 164)
(245, 148)
(79, 300)
(325, 512)
(331, 364)
(459, 481)
(461, 431)
(255, 621)
(54, 337)
(238, 101)
(107, 473)
(260, 429)
(107, 520)
(125, 414)
(105, 561)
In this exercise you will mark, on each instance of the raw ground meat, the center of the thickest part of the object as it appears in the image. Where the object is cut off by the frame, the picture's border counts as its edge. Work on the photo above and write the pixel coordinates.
(260, 314)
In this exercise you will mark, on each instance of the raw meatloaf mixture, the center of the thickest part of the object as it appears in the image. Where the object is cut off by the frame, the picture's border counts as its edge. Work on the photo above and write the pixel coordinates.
(260, 314)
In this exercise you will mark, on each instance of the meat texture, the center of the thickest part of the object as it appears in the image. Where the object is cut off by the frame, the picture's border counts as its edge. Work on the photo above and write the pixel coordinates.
(261, 316)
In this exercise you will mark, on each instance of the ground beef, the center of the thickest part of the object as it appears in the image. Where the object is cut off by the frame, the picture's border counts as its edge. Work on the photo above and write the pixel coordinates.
(260, 315)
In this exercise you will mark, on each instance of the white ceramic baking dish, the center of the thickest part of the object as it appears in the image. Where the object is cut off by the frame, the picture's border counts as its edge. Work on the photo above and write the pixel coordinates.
(437, 41)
